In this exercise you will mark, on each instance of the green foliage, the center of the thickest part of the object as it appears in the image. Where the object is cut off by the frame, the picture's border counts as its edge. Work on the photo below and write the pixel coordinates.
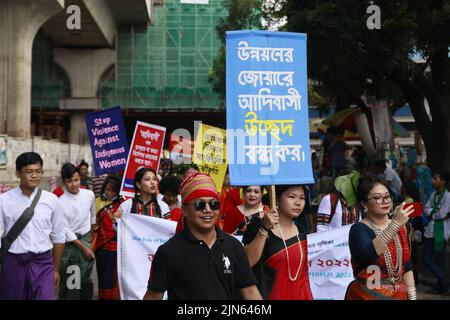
(348, 59)
(243, 15)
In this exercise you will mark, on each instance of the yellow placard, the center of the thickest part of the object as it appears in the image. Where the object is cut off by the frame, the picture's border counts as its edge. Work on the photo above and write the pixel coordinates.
(210, 151)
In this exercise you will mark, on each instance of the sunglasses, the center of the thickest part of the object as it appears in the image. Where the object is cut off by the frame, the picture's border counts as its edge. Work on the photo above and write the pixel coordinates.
(200, 205)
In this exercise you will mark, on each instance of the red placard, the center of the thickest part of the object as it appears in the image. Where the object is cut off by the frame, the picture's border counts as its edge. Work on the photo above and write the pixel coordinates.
(145, 151)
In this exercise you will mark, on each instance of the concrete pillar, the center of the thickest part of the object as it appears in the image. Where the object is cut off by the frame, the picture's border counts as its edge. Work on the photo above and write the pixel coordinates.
(19, 23)
(78, 130)
(84, 67)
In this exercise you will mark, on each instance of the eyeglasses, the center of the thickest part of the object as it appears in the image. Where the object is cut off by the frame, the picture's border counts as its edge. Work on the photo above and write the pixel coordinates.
(380, 199)
(30, 172)
(200, 205)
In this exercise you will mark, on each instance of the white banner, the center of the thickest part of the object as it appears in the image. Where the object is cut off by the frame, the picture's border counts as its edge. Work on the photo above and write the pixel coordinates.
(330, 270)
(138, 238)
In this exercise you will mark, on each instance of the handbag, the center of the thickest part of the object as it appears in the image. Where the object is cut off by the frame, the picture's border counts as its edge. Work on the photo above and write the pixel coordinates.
(18, 227)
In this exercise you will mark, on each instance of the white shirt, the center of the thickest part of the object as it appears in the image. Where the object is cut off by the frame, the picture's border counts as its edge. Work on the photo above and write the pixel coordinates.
(440, 214)
(79, 212)
(126, 207)
(393, 178)
(163, 205)
(44, 229)
(325, 209)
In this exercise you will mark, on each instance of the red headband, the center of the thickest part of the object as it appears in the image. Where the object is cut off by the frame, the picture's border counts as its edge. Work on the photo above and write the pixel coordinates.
(198, 185)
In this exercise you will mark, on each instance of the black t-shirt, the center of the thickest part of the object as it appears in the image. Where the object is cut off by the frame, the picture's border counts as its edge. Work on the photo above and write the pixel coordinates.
(189, 270)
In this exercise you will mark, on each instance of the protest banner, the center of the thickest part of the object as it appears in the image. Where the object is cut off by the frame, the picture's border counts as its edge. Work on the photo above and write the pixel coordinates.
(267, 108)
(210, 153)
(138, 238)
(145, 151)
(108, 140)
(330, 270)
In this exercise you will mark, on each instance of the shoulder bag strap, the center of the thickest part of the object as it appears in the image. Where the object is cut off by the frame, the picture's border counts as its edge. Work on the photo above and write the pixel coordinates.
(21, 223)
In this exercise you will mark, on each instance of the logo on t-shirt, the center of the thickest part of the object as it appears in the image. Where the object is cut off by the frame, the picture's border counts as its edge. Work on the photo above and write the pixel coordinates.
(226, 264)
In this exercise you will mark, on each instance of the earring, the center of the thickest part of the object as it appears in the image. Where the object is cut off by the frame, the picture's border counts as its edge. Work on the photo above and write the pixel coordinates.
(365, 209)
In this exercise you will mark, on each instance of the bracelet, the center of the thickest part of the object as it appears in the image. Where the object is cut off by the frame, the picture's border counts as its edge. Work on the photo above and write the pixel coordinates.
(262, 225)
(412, 293)
(389, 233)
(264, 232)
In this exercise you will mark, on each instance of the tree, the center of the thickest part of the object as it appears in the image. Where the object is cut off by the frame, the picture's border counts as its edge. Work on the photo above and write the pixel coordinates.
(350, 60)
(242, 15)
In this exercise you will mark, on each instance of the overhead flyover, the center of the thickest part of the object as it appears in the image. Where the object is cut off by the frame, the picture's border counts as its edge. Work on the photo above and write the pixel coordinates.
(100, 20)
(95, 40)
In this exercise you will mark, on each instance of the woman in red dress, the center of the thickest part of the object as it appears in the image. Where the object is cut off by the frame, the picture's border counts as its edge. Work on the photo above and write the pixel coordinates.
(277, 250)
(238, 217)
(104, 242)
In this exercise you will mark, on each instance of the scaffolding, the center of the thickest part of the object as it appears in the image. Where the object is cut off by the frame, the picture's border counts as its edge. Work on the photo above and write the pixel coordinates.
(165, 66)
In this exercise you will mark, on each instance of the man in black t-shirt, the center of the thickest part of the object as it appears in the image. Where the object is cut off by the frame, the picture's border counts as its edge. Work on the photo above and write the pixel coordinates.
(201, 262)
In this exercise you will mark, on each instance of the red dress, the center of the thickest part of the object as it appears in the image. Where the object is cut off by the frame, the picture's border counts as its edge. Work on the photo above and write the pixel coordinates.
(359, 289)
(283, 288)
(271, 271)
(235, 219)
(232, 200)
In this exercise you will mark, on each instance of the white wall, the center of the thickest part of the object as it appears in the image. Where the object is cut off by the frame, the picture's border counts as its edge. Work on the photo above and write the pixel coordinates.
(53, 153)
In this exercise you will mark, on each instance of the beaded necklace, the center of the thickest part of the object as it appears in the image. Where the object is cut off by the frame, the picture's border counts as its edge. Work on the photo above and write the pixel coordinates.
(287, 255)
(394, 272)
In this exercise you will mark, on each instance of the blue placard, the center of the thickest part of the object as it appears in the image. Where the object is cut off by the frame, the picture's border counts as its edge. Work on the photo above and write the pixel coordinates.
(108, 140)
(267, 108)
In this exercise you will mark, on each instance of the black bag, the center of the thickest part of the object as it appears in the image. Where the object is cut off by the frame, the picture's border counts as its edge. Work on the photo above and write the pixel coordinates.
(18, 227)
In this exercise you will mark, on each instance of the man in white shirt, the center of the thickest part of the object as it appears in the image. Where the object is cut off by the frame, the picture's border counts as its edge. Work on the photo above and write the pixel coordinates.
(340, 207)
(169, 198)
(30, 271)
(389, 176)
(437, 232)
(79, 214)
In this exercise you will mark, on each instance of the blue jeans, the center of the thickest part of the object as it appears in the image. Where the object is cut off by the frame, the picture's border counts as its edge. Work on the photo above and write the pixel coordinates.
(437, 265)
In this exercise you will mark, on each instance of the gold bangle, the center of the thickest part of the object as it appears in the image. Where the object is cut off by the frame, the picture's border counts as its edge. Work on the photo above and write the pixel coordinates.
(412, 293)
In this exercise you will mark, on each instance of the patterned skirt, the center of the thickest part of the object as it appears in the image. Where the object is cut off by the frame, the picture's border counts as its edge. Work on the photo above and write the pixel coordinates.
(359, 289)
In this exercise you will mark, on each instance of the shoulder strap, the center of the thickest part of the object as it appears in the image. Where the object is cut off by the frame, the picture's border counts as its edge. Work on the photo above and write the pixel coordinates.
(333, 201)
(21, 223)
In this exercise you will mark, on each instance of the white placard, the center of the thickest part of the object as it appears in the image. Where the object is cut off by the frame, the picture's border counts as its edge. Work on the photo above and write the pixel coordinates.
(330, 270)
(138, 238)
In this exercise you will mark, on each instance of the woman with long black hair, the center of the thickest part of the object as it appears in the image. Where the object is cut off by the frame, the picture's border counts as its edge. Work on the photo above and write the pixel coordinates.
(104, 242)
(145, 191)
(277, 250)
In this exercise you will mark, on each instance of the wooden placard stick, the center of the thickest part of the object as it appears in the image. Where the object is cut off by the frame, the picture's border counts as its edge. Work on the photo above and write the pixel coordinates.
(273, 197)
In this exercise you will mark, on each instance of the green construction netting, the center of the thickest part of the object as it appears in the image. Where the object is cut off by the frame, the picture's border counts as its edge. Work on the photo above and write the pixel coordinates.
(166, 65)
